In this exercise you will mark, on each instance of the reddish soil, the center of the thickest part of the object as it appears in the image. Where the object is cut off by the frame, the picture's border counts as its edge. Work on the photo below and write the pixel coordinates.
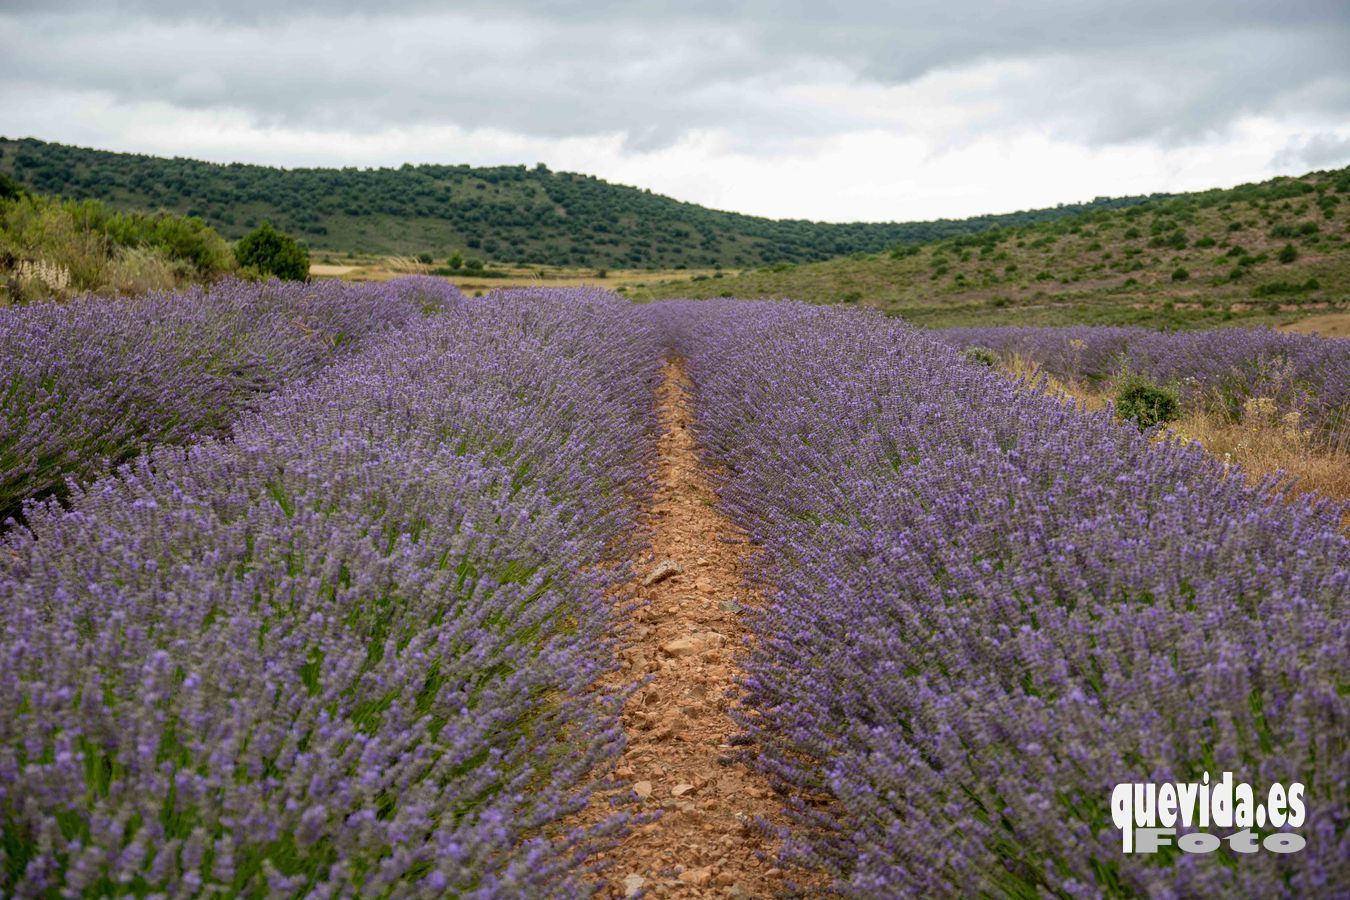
(687, 634)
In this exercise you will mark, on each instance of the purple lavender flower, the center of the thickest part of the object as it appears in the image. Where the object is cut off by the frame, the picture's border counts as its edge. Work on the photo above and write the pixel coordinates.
(989, 608)
(352, 648)
(1220, 370)
(85, 384)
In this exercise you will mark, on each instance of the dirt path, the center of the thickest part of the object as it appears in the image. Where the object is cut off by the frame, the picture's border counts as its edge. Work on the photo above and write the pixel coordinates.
(688, 637)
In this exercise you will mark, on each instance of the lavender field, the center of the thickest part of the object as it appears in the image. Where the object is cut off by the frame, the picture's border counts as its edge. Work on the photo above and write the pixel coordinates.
(311, 591)
(1220, 370)
(989, 608)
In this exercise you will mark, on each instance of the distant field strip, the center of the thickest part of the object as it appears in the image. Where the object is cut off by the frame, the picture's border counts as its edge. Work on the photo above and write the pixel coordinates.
(352, 650)
(991, 608)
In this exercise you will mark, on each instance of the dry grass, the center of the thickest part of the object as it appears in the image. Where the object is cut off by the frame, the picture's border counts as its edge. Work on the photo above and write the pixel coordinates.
(1264, 443)
(1327, 325)
(383, 268)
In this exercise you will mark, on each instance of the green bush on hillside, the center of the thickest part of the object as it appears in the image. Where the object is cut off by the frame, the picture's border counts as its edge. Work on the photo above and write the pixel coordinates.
(266, 251)
(9, 188)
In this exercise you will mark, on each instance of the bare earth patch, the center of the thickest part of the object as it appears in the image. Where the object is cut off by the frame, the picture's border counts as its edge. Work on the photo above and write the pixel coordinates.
(1327, 325)
(687, 636)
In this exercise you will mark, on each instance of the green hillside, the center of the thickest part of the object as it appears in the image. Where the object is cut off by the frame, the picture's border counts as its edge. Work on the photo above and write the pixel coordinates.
(1270, 252)
(501, 214)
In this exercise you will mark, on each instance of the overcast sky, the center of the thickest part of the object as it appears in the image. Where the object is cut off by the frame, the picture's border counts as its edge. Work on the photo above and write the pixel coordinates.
(824, 110)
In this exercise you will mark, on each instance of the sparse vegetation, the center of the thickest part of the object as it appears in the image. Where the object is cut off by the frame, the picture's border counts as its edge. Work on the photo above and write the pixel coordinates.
(1189, 261)
(59, 248)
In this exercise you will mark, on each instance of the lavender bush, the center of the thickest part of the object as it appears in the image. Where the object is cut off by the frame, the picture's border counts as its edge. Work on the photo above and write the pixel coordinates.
(351, 651)
(989, 608)
(84, 384)
(1220, 370)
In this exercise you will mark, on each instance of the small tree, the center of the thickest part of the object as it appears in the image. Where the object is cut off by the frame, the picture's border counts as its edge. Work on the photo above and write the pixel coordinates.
(270, 252)
(455, 261)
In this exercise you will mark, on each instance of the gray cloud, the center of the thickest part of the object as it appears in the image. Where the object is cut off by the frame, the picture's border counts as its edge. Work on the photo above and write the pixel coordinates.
(1317, 151)
(1091, 71)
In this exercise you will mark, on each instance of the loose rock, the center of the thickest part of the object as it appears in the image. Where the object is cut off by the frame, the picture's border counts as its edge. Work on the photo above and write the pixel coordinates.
(664, 569)
(696, 877)
(681, 647)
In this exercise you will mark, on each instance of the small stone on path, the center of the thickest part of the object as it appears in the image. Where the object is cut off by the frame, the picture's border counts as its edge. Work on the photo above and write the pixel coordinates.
(680, 647)
(696, 877)
(664, 569)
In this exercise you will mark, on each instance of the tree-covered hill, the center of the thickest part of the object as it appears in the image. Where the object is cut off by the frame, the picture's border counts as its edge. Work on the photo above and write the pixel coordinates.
(502, 213)
(1264, 253)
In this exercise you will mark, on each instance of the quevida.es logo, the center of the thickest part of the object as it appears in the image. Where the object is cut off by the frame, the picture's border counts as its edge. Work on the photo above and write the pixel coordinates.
(1149, 814)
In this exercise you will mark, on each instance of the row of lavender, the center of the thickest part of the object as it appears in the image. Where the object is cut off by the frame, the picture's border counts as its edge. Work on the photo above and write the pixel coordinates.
(84, 384)
(1301, 373)
(350, 652)
(990, 609)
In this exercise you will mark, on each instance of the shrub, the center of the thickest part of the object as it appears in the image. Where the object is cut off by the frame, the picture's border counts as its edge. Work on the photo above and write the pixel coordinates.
(270, 252)
(981, 355)
(1180, 274)
(1288, 253)
(424, 258)
(455, 261)
(9, 188)
(1145, 403)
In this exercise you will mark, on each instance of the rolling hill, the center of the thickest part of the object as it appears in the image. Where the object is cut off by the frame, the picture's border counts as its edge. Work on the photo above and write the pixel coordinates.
(1270, 252)
(508, 214)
